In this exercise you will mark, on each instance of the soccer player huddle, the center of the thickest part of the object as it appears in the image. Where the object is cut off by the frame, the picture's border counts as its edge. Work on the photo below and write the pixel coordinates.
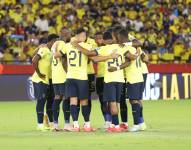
(67, 64)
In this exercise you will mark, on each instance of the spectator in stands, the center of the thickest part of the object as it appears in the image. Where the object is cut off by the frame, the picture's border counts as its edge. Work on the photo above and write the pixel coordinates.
(41, 23)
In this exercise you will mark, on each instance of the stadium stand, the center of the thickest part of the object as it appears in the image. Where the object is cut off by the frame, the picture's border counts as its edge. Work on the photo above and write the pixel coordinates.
(163, 26)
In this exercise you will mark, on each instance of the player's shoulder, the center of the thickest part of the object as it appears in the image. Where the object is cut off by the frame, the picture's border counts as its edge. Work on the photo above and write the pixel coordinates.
(131, 49)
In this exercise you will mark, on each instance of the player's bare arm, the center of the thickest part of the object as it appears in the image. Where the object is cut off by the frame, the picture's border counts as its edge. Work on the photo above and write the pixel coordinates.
(64, 62)
(35, 62)
(104, 58)
(83, 50)
(145, 58)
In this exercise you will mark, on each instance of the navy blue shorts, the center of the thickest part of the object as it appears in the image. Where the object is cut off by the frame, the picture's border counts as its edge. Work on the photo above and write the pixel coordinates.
(144, 83)
(59, 89)
(134, 91)
(40, 90)
(77, 88)
(112, 91)
(99, 85)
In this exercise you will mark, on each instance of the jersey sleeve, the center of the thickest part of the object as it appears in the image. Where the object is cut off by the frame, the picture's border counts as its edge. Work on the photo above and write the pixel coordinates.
(101, 51)
(62, 48)
(41, 52)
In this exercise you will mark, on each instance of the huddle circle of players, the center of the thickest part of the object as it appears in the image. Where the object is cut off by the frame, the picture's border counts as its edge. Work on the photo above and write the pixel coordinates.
(64, 72)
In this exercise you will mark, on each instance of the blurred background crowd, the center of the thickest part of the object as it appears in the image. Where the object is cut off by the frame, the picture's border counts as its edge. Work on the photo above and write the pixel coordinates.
(163, 26)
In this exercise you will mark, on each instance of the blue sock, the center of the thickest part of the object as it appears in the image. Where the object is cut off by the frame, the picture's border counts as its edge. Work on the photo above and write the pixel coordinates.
(90, 105)
(141, 119)
(123, 111)
(49, 104)
(108, 117)
(86, 113)
(136, 113)
(78, 108)
(40, 109)
(56, 109)
(66, 110)
(74, 112)
(115, 120)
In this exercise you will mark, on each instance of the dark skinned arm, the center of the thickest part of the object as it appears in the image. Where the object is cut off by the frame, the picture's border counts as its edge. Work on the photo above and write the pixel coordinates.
(64, 63)
(104, 58)
(35, 62)
(145, 58)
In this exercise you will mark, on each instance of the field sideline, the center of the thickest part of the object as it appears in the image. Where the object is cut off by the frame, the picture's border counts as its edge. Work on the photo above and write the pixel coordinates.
(168, 122)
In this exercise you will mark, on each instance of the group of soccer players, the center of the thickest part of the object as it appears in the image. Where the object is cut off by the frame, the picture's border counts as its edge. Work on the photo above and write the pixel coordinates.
(67, 64)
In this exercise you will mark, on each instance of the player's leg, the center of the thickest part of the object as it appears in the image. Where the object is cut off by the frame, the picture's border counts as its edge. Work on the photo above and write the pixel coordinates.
(72, 93)
(83, 96)
(49, 103)
(40, 90)
(104, 104)
(91, 84)
(66, 111)
(123, 108)
(56, 105)
(134, 95)
(112, 93)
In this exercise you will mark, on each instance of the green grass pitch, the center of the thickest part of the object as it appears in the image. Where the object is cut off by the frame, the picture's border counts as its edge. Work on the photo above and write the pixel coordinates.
(168, 122)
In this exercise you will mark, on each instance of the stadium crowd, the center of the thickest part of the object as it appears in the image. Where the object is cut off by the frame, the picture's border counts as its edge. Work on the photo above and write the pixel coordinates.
(163, 26)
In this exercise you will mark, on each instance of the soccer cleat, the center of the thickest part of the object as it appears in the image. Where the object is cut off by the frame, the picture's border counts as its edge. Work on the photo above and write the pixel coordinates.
(124, 126)
(88, 129)
(135, 128)
(106, 125)
(43, 128)
(114, 130)
(57, 130)
(67, 127)
(74, 129)
(142, 126)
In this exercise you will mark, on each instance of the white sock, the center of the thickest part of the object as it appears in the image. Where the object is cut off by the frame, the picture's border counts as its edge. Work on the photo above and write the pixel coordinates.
(126, 123)
(66, 124)
(76, 124)
(107, 122)
(40, 125)
(51, 123)
(117, 126)
(87, 124)
(56, 125)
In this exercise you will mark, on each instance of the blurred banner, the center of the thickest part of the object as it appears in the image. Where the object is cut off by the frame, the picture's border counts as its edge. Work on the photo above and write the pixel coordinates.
(16, 84)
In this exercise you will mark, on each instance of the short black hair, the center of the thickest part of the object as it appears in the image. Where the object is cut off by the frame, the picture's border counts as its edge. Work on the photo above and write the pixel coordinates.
(52, 37)
(80, 30)
(98, 33)
(116, 29)
(123, 33)
(107, 36)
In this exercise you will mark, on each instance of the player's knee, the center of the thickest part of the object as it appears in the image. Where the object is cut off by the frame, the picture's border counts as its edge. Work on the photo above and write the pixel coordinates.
(57, 97)
(84, 102)
(134, 102)
(73, 101)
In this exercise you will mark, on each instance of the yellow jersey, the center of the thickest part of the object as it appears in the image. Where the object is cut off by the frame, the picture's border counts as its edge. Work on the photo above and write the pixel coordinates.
(44, 65)
(76, 61)
(117, 76)
(144, 67)
(58, 72)
(93, 44)
(133, 72)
